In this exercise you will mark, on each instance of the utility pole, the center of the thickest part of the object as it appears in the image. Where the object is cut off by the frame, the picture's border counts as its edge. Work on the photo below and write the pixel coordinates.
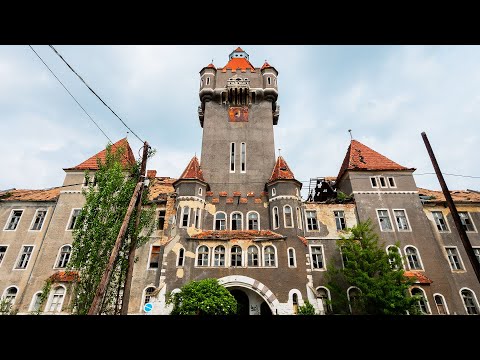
(102, 286)
(453, 210)
(133, 245)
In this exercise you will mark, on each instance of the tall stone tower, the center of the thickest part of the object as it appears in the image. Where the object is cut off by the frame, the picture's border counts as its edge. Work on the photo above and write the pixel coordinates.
(237, 112)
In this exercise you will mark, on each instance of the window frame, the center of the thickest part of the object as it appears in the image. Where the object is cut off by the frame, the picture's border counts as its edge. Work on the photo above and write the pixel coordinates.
(51, 297)
(197, 220)
(259, 256)
(274, 192)
(248, 220)
(231, 254)
(457, 254)
(144, 296)
(474, 297)
(215, 220)
(394, 186)
(476, 250)
(224, 256)
(15, 265)
(471, 221)
(158, 218)
(70, 219)
(380, 177)
(2, 258)
(232, 154)
(16, 294)
(241, 219)
(264, 257)
(9, 219)
(444, 220)
(310, 253)
(444, 303)
(409, 227)
(294, 257)
(150, 257)
(180, 257)
(315, 218)
(182, 217)
(197, 253)
(243, 158)
(33, 302)
(35, 217)
(57, 259)
(275, 218)
(389, 219)
(299, 218)
(399, 252)
(374, 178)
(425, 298)
(417, 253)
(327, 308)
(340, 218)
(285, 216)
(349, 298)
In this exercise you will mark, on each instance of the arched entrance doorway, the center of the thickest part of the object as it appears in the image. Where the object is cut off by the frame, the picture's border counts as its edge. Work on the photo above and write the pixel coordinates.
(243, 304)
(265, 309)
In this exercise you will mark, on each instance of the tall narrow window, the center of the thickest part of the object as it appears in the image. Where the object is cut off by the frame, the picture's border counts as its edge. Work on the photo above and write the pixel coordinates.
(383, 183)
(253, 221)
(3, 250)
(275, 217)
(354, 300)
(291, 258)
(36, 302)
(269, 256)
(294, 297)
(312, 224)
(394, 257)
(64, 256)
(340, 220)
(39, 218)
(236, 256)
(197, 218)
(299, 218)
(466, 221)
(413, 258)
(220, 221)
(422, 301)
(317, 257)
(237, 222)
(288, 216)
(24, 257)
(148, 295)
(384, 220)
(154, 257)
(373, 181)
(440, 221)
(475, 250)
(208, 80)
(161, 219)
(243, 157)
(269, 80)
(401, 218)
(274, 192)
(185, 216)
(14, 220)
(470, 302)
(232, 157)
(454, 258)
(324, 296)
(10, 295)
(202, 257)
(73, 219)
(252, 255)
(57, 299)
(181, 257)
(440, 304)
(391, 182)
(219, 256)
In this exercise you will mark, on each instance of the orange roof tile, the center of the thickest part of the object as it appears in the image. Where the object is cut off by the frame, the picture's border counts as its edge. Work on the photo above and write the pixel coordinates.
(361, 157)
(211, 66)
(193, 171)
(91, 163)
(30, 195)
(159, 187)
(420, 278)
(457, 195)
(238, 63)
(303, 240)
(237, 234)
(266, 65)
(239, 49)
(281, 170)
(64, 276)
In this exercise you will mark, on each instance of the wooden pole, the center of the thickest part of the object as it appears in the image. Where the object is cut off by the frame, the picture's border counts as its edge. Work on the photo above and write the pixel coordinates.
(453, 210)
(133, 245)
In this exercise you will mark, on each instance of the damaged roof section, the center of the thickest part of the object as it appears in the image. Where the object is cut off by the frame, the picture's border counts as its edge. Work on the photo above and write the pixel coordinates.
(160, 188)
(458, 196)
(237, 235)
(419, 277)
(30, 195)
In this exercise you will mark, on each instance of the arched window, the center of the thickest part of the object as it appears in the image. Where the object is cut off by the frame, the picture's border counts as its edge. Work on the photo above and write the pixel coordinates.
(470, 302)
(35, 304)
(219, 256)
(10, 295)
(275, 217)
(269, 256)
(391, 251)
(295, 303)
(181, 257)
(64, 256)
(422, 302)
(287, 216)
(299, 218)
(220, 221)
(253, 223)
(413, 258)
(441, 304)
(56, 299)
(292, 261)
(236, 256)
(202, 256)
(354, 300)
(237, 221)
(252, 254)
(324, 295)
(148, 294)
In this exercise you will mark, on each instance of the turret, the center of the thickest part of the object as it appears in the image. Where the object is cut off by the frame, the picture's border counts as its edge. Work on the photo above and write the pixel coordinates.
(270, 92)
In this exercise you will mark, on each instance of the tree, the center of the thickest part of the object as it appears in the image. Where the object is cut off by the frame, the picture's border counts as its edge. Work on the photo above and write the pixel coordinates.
(382, 287)
(97, 227)
(306, 309)
(203, 297)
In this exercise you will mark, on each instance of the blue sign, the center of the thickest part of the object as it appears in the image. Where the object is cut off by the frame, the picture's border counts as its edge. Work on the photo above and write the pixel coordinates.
(148, 307)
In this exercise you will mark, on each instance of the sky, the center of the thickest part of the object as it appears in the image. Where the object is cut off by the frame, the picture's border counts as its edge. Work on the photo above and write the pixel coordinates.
(386, 96)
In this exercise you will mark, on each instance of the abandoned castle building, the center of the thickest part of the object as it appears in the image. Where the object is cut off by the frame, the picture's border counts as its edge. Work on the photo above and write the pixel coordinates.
(236, 214)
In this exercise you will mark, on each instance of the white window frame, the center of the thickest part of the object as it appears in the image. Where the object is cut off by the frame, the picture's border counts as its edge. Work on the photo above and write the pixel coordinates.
(418, 256)
(33, 301)
(149, 257)
(394, 186)
(234, 148)
(427, 303)
(20, 255)
(406, 217)
(294, 257)
(10, 219)
(469, 217)
(474, 248)
(474, 298)
(376, 181)
(343, 217)
(215, 220)
(274, 191)
(258, 219)
(457, 254)
(50, 299)
(259, 256)
(264, 258)
(182, 217)
(197, 221)
(158, 217)
(70, 219)
(178, 257)
(200, 191)
(310, 254)
(444, 219)
(144, 295)
(16, 294)
(348, 296)
(4, 254)
(306, 220)
(225, 258)
(325, 306)
(208, 256)
(380, 182)
(243, 157)
(275, 224)
(231, 219)
(285, 217)
(399, 252)
(389, 218)
(299, 217)
(444, 302)
(55, 265)
(34, 218)
(229, 257)
(207, 81)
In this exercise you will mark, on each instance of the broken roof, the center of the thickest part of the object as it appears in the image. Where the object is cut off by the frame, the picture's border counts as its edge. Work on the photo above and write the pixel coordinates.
(361, 157)
(457, 195)
(238, 235)
(193, 170)
(281, 171)
(30, 195)
(420, 278)
(160, 187)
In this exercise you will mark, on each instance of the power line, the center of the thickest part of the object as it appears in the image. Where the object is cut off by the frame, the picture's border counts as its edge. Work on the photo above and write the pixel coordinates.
(103, 132)
(123, 122)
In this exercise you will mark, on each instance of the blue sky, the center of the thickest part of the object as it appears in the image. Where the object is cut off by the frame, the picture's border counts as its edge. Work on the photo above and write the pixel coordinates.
(387, 95)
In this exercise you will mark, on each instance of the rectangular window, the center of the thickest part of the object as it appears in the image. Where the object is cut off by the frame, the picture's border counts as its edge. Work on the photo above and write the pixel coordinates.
(391, 182)
(197, 218)
(299, 218)
(466, 221)
(161, 219)
(440, 221)
(475, 250)
(340, 220)
(73, 219)
(317, 257)
(383, 183)
(232, 157)
(344, 256)
(384, 220)
(24, 257)
(39, 218)
(154, 257)
(312, 224)
(401, 219)
(454, 258)
(373, 181)
(243, 157)
(185, 216)
(12, 223)
(3, 250)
